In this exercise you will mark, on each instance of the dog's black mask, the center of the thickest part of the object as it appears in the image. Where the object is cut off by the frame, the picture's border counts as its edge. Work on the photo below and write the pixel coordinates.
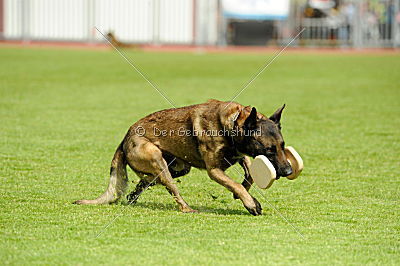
(263, 137)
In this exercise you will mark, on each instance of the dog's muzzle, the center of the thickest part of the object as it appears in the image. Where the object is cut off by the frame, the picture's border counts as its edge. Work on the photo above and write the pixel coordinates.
(285, 171)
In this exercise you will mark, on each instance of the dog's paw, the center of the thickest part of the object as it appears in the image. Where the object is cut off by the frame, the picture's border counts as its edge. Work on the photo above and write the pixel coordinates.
(132, 198)
(256, 209)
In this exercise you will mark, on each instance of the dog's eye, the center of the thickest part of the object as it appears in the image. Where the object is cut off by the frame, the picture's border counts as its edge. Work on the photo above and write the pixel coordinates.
(271, 149)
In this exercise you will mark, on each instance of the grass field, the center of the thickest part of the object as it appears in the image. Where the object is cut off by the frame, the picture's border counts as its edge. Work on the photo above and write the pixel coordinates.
(64, 112)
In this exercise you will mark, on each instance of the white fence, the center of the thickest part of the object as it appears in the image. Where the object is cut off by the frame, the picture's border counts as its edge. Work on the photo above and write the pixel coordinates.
(356, 23)
(139, 21)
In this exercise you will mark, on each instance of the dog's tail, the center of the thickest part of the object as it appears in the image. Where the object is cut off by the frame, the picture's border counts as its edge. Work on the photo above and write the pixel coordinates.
(118, 181)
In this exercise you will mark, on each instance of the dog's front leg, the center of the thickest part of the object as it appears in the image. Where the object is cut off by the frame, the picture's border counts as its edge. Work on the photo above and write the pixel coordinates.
(250, 203)
(248, 180)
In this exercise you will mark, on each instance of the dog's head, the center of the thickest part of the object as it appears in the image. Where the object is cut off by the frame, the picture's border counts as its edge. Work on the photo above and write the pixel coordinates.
(262, 136)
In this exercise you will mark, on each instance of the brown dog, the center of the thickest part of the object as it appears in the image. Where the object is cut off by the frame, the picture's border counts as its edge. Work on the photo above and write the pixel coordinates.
(212, 136)
(116, 43)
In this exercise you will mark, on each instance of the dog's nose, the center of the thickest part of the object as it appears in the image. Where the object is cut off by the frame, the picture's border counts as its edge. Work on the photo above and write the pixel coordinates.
(287, 171)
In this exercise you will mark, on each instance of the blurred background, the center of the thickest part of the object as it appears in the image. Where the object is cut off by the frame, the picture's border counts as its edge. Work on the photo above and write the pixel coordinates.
(329, 23)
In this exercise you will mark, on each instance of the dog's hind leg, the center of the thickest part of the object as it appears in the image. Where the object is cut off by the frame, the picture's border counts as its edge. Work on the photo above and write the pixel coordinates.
(166, 179)
(147, 158)
(134, 195)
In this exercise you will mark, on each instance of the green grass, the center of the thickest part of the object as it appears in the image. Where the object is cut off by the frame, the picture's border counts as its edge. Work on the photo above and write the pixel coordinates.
(64, 112)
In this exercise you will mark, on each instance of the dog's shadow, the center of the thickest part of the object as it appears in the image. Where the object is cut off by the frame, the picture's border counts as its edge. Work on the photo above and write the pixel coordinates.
(173, 207)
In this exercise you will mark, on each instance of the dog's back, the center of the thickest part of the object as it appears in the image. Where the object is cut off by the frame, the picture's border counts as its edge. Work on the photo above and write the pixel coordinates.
(177, 130)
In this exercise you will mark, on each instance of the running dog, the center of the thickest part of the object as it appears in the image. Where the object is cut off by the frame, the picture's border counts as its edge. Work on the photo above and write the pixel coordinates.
(212, 136)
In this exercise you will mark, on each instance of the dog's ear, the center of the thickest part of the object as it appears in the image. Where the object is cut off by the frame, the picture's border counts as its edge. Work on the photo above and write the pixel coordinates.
(230, 115)
(251, 121)
(276, 117)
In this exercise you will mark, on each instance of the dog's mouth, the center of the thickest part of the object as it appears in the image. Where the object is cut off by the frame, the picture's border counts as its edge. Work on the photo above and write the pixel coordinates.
(287, 171)
(283, 171)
